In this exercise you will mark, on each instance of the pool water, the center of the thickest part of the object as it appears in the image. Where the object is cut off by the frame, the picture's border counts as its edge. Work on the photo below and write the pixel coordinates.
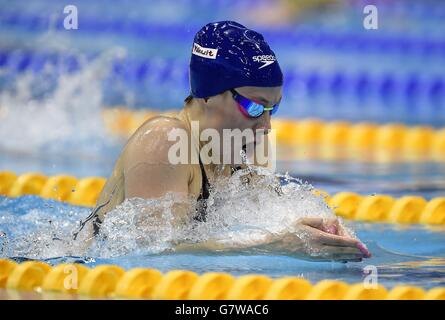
(414, 254)
(54, 85)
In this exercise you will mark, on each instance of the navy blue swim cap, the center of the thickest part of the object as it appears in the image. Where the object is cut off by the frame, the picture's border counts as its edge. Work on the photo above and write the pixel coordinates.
(227, 55)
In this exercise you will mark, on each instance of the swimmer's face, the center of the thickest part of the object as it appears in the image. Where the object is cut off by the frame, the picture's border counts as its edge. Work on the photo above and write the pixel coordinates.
(225, 110)
(226, 113)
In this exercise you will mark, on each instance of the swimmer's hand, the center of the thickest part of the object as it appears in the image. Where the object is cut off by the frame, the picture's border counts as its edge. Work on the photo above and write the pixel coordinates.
(313, 239)
(320, 239)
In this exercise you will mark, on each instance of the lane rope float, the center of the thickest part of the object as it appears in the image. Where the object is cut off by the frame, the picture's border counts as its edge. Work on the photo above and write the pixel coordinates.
(317, 139)
(349, 205)
(110, 281)
(370, 208)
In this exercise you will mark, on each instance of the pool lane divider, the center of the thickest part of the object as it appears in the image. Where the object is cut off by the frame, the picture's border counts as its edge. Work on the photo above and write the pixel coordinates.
(407, 209)
(369, 208)
(66, 188)
(326, 41)
(77, 281)
(318, 139)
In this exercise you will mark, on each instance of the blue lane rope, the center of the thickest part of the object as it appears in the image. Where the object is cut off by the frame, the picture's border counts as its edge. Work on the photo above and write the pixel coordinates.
(314, 82)
(304, 37)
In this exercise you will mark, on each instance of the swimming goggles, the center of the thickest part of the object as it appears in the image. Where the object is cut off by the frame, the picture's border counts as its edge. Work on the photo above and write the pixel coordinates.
(251, 108)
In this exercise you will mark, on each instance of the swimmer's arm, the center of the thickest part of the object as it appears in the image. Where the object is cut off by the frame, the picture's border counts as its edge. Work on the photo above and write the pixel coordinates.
(149, 167)
(150, 173)
(306, 240)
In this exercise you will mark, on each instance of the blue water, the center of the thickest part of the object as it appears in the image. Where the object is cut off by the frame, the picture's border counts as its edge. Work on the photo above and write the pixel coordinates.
(402, 254)
(333, 69)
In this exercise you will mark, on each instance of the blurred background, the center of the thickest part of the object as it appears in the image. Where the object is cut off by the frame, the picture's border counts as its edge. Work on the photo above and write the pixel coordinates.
(56, 84)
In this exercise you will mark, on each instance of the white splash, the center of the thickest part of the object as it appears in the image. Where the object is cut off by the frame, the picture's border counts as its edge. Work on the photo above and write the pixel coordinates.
(237, 211)
(67, 118)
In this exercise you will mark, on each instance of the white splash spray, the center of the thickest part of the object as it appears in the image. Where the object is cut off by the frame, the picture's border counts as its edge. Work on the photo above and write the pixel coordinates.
(67, 118)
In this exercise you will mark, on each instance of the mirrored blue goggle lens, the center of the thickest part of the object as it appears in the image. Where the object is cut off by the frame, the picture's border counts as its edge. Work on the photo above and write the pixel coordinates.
(255, 109)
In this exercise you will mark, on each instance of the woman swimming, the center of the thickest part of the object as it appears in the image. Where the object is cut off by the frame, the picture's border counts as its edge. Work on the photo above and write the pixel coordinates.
(236, 85)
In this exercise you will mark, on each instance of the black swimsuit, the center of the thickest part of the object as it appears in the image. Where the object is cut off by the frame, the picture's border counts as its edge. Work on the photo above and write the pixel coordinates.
(201, 208)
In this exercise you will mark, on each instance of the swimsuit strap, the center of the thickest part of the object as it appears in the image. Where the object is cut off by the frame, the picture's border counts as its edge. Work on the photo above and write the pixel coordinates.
(94, 216)
(201, 209)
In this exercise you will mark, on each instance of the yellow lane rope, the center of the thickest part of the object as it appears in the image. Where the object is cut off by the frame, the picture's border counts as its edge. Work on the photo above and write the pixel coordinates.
(317, 139)
(350, 205)
(109, 281)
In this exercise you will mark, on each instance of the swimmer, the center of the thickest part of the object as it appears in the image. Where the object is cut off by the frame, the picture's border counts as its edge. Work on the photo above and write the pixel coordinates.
(236, 83)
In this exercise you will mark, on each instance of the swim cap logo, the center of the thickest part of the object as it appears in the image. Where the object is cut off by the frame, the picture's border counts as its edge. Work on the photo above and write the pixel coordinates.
(266, 59)
(208, 53)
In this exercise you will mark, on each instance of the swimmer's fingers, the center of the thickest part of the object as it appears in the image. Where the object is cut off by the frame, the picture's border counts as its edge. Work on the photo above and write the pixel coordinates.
(334, 250)
(333, 253)
(321, 233)
(338, 258)
(335, 240)
(335, 258)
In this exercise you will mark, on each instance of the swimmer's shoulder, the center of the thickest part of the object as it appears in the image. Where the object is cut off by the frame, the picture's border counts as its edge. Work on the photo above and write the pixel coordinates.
(162, 123)
(153, 139)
